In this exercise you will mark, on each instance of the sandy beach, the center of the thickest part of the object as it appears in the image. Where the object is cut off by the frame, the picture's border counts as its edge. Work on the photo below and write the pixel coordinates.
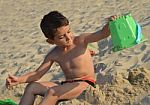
(123, 78)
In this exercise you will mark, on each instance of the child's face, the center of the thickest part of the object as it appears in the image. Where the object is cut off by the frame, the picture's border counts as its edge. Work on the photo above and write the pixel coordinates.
(63, 36)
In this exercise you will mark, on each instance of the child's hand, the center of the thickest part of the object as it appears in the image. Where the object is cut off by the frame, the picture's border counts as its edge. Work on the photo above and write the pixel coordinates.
(105, 29)
(11, 81)
(111, 18)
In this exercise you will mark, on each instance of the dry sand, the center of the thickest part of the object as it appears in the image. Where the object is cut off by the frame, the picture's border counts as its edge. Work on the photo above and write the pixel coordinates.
(125, 76)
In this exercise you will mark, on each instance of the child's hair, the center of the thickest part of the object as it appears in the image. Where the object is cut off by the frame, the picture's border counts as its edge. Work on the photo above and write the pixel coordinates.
(51, 22)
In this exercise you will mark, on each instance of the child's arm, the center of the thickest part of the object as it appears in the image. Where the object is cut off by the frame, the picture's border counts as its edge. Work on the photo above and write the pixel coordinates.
(31, 76)
(98, 35)
(37, 74)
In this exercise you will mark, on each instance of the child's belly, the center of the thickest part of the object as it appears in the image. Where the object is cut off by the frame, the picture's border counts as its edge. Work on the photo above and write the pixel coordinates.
(78, 73)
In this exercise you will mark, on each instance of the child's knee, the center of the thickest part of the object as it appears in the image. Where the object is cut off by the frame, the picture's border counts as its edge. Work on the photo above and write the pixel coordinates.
(31, 87)
(52, 92)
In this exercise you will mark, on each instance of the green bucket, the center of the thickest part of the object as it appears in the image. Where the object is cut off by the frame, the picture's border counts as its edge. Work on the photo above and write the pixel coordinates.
(125, 32)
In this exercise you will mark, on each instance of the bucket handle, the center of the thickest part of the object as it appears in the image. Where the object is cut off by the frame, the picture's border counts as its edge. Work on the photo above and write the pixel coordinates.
(139, 33)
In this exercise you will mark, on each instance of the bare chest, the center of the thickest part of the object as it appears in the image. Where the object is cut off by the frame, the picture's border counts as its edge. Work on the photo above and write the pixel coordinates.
(72, 59)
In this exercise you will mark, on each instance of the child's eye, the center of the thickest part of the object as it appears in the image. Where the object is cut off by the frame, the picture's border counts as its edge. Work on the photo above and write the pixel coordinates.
(61, 37)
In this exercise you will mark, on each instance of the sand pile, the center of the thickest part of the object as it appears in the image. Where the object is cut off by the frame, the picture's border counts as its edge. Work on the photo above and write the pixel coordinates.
(120, 90)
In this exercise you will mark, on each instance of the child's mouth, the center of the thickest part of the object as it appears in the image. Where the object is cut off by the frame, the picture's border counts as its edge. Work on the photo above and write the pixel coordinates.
(68, 42)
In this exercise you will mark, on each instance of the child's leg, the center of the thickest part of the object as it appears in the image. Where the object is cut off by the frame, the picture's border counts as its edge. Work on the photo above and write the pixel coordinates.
(34, 89)
(63, 92)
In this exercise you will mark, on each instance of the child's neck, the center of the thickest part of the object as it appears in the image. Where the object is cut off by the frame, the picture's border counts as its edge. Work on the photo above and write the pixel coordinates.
(68, 48)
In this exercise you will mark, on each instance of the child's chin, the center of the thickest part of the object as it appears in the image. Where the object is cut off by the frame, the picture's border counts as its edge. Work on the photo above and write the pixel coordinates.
(68, 44)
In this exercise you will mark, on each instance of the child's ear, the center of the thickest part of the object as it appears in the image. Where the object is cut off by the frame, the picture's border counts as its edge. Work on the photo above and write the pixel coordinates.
(50, 41)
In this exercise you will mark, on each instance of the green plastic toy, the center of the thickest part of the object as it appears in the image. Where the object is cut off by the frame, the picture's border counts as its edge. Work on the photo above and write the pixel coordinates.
(125, 32)
(7, 102)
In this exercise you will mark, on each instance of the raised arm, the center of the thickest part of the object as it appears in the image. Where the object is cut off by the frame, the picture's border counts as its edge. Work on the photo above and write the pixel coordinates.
(98, 35)
(101, 34)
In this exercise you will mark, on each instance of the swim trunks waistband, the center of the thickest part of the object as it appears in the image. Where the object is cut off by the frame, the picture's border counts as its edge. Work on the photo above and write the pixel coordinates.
(90, 82)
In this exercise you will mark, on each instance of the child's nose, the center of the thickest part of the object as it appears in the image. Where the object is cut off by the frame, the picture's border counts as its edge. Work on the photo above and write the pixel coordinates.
(67, 37)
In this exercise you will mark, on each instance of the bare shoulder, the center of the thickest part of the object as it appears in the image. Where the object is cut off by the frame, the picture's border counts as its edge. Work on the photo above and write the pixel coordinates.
(51, 55)
(82, 37)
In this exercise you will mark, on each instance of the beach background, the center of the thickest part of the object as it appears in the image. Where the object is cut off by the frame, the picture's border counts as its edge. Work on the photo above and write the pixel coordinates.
(123, 78)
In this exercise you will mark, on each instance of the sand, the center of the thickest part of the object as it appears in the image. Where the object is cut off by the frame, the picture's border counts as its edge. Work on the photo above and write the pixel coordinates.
(123, 78)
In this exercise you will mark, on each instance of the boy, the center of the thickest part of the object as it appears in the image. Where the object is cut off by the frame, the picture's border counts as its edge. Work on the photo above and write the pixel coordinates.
(70, 53)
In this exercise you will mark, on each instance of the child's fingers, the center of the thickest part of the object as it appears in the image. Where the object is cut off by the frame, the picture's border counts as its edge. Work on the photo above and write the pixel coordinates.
(10, 84)
(113, 17)
(11, 76)
(8, 81)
